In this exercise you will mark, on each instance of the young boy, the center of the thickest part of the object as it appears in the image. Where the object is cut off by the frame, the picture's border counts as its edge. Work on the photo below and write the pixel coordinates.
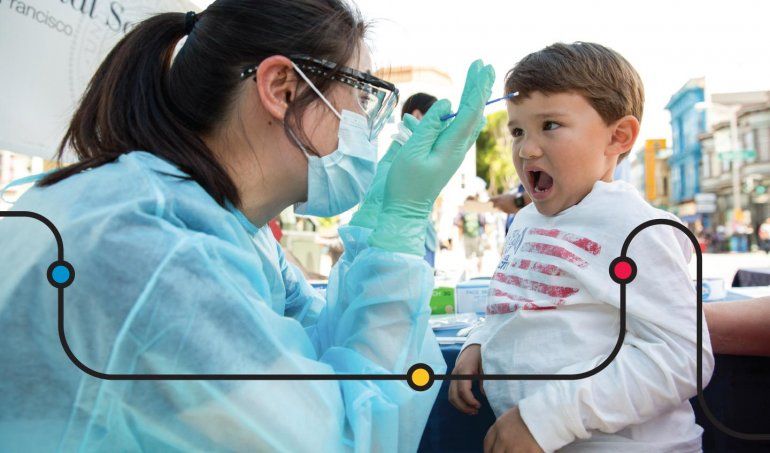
(552, 306)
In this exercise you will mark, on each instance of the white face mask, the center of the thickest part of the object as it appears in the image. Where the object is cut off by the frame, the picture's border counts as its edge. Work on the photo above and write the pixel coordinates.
(338, 181)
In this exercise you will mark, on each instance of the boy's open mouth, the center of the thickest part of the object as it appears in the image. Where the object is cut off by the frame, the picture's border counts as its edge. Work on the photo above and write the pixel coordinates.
(540, 181)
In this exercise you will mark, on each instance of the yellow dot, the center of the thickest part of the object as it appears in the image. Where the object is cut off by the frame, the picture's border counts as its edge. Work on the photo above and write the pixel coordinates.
(420, 377)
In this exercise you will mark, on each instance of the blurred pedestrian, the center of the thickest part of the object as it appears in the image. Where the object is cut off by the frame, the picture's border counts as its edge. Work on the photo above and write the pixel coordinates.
(764, 235)
(471, 227)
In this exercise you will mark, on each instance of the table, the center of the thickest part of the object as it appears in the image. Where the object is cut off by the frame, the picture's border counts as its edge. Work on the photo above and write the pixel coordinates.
(738, 395)
(752, 277)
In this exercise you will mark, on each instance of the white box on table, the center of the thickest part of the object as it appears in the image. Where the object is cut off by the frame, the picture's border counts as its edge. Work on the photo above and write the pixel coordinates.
(471, 296)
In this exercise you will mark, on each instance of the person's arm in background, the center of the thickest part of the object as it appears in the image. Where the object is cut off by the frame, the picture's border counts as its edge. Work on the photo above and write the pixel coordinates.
(740, 327)
(507, 202)
(459, 224)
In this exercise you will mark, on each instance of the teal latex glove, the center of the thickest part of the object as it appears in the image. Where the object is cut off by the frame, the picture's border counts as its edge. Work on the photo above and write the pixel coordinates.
(427, 161)
(366, 216)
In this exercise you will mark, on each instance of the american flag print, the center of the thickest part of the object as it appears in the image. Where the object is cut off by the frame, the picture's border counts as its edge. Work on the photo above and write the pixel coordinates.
(533, 275)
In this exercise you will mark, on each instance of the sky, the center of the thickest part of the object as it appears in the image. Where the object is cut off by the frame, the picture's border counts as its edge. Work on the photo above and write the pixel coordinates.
(668, 42)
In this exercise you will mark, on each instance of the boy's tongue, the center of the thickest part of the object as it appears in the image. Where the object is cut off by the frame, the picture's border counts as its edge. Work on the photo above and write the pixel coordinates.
(544, 181)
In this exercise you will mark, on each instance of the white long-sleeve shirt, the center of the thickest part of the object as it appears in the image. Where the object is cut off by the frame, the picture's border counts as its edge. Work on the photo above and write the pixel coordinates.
(552, 308)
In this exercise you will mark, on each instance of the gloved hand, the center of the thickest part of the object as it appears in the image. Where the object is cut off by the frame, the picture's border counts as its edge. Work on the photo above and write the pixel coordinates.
(427, 161)
(367, 213)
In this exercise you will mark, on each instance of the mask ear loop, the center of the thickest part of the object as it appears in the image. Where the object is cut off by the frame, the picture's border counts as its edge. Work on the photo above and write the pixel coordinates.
(323, 98)
(304, 77)
(299, 144)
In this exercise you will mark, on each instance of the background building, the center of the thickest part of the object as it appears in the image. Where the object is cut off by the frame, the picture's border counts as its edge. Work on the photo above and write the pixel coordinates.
(736, 158)
(687, 124)
(650, 172)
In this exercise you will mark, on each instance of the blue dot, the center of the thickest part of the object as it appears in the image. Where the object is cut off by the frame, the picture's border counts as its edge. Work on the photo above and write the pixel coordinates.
(60, 274)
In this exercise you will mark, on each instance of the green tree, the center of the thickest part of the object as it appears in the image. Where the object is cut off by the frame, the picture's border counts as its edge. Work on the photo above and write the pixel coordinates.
(493, 154)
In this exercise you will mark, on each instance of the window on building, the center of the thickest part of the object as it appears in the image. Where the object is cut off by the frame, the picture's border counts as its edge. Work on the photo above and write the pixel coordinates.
(750, 143)
(676, 183)
(692, 131)
(763, 143)
(682, 182)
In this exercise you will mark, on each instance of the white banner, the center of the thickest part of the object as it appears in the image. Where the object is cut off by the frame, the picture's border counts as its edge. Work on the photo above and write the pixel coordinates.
(49, 50)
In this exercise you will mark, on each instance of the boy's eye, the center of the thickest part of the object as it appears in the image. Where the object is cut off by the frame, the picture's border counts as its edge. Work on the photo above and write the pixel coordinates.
(550, 125)
(517, 132)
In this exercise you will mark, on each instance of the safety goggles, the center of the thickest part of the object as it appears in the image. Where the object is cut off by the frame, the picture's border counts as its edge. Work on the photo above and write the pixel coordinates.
(376, 98)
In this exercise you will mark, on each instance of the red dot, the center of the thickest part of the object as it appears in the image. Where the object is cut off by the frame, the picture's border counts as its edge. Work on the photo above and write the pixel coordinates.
(622, 270)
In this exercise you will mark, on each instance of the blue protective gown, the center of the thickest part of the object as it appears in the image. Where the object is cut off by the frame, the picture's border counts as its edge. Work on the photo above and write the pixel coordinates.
(168, 281)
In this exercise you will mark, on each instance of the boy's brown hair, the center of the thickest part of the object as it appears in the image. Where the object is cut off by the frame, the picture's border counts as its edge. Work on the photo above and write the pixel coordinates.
(606, 79)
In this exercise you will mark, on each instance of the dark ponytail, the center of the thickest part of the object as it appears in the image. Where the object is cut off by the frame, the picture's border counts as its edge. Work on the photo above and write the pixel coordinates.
(138, 100)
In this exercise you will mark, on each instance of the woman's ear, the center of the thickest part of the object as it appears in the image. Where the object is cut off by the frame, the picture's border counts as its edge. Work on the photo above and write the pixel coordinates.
(276, 85)
(624, 134)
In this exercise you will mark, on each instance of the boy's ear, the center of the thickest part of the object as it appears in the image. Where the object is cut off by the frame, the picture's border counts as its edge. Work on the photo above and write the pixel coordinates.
(624, 134)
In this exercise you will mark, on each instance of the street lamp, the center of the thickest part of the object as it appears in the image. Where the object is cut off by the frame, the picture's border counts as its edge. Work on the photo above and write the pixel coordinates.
(736, 158)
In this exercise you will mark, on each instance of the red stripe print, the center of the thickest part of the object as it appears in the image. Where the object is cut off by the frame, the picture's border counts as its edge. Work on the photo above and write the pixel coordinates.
(584, 243)
(554, 250)
(534, 306)
(553, 291)
(528, 304)
(502, 308)
(543, 232)
(499, 293)
(548, 269)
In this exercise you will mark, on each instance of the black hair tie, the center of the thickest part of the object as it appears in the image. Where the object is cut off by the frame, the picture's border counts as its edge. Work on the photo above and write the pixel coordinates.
(189, 22)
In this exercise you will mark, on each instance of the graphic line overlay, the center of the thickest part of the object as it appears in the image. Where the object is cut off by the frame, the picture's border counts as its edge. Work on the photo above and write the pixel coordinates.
(420, 376)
